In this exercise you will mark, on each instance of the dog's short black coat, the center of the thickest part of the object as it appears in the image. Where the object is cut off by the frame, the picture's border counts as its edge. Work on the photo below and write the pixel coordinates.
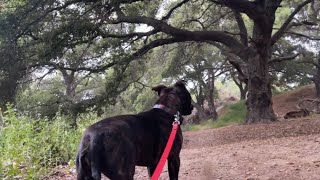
(114, 146)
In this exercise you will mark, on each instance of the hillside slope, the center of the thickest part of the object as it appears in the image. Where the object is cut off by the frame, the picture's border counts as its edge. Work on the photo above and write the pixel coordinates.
(287, 101)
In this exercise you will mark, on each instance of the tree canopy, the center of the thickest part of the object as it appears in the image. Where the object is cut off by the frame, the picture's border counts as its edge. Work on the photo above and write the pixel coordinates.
(80, 38)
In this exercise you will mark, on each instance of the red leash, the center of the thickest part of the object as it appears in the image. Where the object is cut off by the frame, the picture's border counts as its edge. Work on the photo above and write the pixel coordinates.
(167, 149)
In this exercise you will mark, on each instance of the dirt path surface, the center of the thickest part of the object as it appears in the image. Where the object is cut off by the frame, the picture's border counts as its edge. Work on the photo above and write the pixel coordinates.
(284, 150)
(287, 150)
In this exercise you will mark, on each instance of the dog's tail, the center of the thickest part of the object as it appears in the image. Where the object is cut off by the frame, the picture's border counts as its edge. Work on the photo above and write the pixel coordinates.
(88, 163)
(82, 162)
(79, 165)
(96, 154)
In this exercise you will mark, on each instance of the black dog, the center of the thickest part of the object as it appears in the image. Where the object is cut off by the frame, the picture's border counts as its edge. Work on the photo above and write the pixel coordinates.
(114, 146)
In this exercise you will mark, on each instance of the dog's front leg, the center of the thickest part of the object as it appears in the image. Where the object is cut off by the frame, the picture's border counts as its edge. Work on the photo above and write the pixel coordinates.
(174, 157)
(173, 166)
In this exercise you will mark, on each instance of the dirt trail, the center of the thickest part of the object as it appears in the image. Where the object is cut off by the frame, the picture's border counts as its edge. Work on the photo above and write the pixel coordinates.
(285, 150)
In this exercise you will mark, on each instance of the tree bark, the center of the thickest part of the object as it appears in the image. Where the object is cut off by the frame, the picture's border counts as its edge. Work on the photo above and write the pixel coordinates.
(243, 87)
(316, 77)
(201, 115)
(1, 119)
(259, 102)
(317, 86)
(243, 92)
(69, 81)
(210, 96)
(70, 85)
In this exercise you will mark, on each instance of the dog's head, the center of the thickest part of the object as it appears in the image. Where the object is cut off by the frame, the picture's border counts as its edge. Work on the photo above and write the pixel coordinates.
(176, 97)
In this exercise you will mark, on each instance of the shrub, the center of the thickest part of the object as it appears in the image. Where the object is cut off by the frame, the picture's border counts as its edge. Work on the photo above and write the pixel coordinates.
(29, 147)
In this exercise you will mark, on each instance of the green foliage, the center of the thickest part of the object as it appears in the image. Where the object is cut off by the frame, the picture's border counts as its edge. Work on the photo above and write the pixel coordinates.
(39, 99)
(226, 88)
(28, 147)
(231, 114)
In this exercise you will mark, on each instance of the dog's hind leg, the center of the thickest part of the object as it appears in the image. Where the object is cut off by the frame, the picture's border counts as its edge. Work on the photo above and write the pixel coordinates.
(96, 154)
(82, 161)
(119, 158)
(121, 171)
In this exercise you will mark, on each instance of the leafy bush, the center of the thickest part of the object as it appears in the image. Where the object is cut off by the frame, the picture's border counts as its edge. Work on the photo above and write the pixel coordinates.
(231, 114)
(28, 147)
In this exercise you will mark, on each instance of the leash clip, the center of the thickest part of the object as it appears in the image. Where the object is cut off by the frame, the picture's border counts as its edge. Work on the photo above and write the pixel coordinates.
(176, 118)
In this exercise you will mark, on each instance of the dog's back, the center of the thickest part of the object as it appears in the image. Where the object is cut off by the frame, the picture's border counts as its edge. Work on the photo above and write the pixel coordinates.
(102, 145)
(133, 138)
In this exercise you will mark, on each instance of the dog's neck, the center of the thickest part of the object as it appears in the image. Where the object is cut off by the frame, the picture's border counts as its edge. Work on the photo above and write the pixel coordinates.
(165, 108)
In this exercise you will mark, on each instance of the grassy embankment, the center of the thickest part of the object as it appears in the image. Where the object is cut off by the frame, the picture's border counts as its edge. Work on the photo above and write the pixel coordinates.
(230, 114)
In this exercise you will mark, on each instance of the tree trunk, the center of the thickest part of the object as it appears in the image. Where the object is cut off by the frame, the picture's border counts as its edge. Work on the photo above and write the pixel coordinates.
(69, 81)
(316, 78)
(73, 119)
(1, 119)
(241, 82)
(243, 92)
(210, 96)
(243, 88)
(259, 102)
(200, 97)
(8, 92)
(201, 115)
(317, 85)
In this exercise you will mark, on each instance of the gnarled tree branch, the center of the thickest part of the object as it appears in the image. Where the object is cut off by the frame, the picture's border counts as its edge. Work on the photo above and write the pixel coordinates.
(242, 28)
(285, 58)
(186, 35)
(284, 26)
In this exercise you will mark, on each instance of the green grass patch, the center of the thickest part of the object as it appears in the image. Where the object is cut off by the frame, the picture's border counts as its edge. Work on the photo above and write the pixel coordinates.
(231, 114)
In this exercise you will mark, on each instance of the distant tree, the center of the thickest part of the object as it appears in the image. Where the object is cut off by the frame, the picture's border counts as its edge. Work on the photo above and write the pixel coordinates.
(33, 42)
(11, 61)
(9, 76)
(200, 64)
(304, 41)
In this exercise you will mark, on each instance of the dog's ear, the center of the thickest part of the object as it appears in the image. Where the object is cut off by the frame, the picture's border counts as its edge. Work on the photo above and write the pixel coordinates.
(181, 83)
(159, 89)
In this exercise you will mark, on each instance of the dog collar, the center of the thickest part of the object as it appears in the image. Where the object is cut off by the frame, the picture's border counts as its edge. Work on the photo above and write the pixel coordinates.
(165, 108)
